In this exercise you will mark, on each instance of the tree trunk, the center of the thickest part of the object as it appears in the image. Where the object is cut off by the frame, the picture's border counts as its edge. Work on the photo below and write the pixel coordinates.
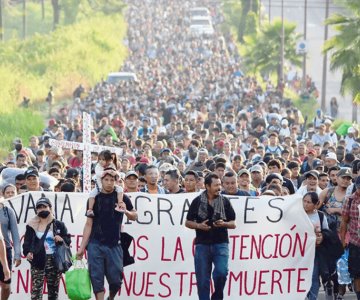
(56, 13)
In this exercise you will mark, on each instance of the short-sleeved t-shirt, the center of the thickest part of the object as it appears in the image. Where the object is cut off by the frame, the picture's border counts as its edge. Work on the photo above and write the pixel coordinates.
(214, 235)
(107, 221)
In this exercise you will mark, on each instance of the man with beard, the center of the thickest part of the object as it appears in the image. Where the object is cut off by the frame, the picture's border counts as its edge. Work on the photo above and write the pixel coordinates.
(211, 215)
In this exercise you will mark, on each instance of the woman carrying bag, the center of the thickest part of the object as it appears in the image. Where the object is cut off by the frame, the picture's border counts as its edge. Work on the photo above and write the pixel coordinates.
(42, 234)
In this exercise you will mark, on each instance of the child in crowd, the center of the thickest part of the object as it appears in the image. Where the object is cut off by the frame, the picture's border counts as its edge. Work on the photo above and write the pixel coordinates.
(105, 161)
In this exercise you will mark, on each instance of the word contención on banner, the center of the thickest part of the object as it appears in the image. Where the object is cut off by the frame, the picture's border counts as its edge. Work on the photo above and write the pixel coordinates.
(271, 251)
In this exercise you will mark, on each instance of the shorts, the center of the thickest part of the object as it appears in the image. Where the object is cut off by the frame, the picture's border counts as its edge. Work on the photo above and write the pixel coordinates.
(354, 261)
(105, 261)
(9, 261)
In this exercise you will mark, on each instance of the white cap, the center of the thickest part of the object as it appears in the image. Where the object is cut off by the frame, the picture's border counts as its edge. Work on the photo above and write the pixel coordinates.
(327, 122)
(331, 155)
(284, 122)
(351, 130)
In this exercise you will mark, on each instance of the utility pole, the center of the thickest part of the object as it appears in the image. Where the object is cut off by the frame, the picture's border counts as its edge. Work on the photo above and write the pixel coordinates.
(24, 19)
(269, 11)
(1, 22)
(282, 47)
(304, 57)
(324, 71)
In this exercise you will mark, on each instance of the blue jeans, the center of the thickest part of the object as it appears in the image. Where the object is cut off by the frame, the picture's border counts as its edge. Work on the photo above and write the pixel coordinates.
(315, 284)
(205, 257)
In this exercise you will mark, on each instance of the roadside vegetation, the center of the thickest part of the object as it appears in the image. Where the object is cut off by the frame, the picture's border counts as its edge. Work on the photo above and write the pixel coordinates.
(80, 48)
(259, 41)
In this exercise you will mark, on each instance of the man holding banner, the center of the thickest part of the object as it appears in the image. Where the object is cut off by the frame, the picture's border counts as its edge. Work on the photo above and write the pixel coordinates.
(211, 215)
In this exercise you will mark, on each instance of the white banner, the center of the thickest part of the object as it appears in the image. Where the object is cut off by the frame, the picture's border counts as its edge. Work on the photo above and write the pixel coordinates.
(271, 250)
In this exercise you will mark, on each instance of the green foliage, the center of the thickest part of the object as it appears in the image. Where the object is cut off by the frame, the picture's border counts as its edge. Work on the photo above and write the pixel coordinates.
(262, 52)
(83, 52)
(71, 10)
(34, 22)
(80, 53)
(307, 107)
(23, 123)
(345, 49)
(232, 11)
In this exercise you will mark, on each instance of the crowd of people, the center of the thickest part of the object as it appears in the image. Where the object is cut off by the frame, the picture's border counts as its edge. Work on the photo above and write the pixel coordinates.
(193, 115)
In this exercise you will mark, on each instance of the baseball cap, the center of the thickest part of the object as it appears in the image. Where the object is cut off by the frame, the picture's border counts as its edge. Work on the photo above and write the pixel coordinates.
(292, 165)
(165, 150)
(272, 176)
(256, 168)
(311, 151)
(71, 172)
(317, 163)
(351, 130)
(31, 172)
(312, 173)
(256, 157)
(355, 146)
(17, 141)
(344, 172)
(43, 201)
(144, 160)
(331, 155)
(284, 122)
(244, 171)
(131, 173)
(327, 122)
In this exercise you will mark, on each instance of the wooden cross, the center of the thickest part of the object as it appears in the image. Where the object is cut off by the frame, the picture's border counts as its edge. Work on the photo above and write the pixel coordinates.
(87, 148)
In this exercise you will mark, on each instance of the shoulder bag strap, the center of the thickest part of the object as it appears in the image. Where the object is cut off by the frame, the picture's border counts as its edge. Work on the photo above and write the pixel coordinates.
(46, 231)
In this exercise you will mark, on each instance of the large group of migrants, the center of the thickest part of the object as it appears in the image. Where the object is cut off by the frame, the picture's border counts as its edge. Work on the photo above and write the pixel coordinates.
(192, 122)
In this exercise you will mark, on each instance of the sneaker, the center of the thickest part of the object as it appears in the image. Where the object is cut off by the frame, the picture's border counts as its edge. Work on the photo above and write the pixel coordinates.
(328, 289)
(339, 297)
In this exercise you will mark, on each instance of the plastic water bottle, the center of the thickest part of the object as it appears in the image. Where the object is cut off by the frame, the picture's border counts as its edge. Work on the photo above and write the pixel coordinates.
(342, 270)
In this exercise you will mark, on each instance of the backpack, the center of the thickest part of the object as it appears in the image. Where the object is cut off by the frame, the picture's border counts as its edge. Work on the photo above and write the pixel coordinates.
(331, 247)
(267, 148)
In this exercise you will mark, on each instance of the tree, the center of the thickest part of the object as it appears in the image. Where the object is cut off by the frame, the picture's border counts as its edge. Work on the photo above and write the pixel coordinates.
(56, 13)
(247, 6)
(344, 49)
(262, 51)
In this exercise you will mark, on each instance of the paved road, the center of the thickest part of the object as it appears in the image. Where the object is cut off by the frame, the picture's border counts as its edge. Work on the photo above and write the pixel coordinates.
(294, 11)
(348, 296)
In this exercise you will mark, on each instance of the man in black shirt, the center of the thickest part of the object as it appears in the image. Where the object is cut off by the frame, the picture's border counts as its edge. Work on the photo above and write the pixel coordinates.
(211, 215)
(101, 237)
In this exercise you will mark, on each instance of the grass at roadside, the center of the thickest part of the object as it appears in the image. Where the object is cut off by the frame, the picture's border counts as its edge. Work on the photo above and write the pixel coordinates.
(23, 123)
